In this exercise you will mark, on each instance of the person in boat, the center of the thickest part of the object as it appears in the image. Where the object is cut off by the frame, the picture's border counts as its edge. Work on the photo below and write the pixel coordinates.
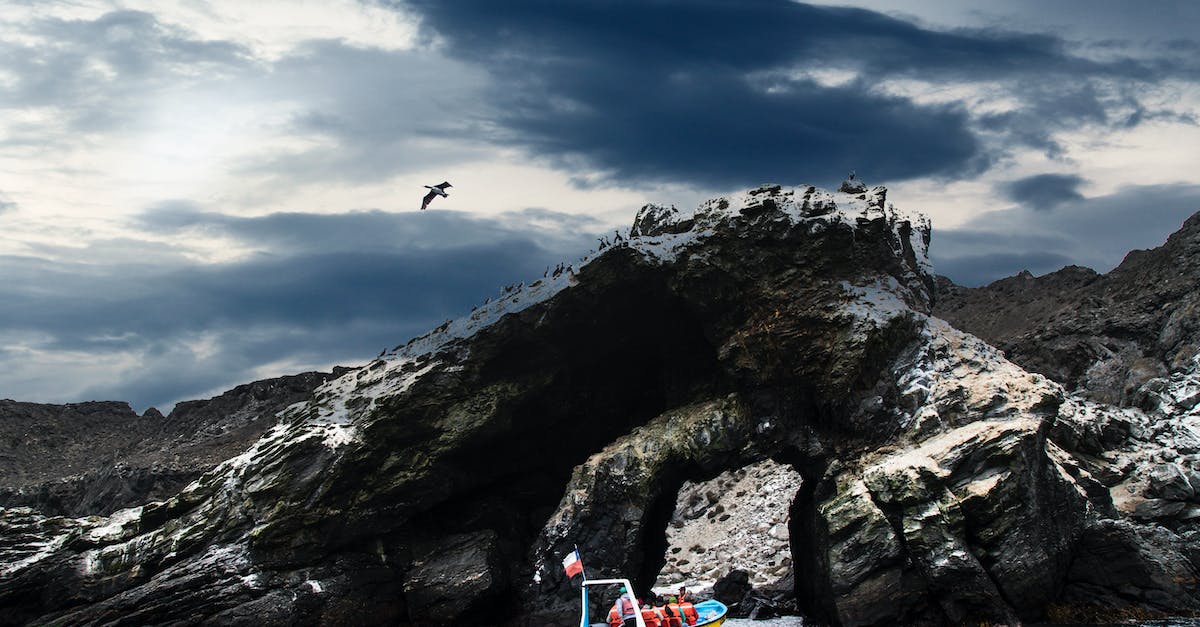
(684, 595)
(688, 611)
(624, 610)
(651, 617)
(614, 617)
(672, 616)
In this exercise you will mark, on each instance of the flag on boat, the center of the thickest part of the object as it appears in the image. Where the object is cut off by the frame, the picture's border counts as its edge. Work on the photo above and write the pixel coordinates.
(572, 564)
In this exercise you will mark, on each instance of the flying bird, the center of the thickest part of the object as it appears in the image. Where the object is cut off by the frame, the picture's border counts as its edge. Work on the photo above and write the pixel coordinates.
(434, 192)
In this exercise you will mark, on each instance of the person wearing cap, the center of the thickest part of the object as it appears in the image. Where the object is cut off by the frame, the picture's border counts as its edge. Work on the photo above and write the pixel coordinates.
(670, 612)
(673, 612)
(686, 609)
(624, 610)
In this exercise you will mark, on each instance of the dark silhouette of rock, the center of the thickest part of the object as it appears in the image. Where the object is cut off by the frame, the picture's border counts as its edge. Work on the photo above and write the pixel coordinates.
(1119, 564)
(739, 595)
(733, 587)
(456, 580)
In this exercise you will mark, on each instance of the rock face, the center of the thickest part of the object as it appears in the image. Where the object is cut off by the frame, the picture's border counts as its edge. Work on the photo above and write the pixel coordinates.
(95, 458)
(1105, 336)
(441, 484)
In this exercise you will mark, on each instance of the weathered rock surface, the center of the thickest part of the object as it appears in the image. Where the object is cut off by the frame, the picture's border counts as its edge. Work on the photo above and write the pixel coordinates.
(97, 457)
(1103, 335)
(441, 484)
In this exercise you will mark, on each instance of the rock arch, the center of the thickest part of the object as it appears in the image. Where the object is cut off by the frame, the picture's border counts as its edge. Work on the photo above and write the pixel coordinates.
(442, 483)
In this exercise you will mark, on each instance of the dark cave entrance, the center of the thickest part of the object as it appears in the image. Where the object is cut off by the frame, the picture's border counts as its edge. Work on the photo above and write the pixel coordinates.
(602, 358)
(618, 357)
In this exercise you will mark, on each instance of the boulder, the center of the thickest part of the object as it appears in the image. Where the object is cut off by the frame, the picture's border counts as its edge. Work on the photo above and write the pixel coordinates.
(455, 578)
(732, 589)
(1119, 564)
(1170, 481)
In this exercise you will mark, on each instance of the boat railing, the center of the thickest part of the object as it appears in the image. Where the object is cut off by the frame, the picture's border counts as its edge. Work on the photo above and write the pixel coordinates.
(583, 618)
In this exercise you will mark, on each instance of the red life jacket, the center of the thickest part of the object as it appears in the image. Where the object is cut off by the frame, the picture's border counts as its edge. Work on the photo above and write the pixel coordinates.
(689, 612)
(614, 617)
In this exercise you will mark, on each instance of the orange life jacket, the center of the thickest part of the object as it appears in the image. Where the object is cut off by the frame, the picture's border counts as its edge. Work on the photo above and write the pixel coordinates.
(689, 612)
(674, 615)
(669, 615)
(651, 617)
(614, 617)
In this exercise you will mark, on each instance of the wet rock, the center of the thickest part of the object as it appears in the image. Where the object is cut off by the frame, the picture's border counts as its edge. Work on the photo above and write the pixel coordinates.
(1169, 481)
(733, 587)
(456, 578)
(1092, 434)
(1158, 509)
(971, 519)
(1119, 563)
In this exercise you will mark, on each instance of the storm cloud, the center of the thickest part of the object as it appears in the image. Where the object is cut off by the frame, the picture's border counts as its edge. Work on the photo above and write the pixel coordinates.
(1044, 191)
(185, 174)
(723, 93)
(1095, 232)
(319, 290)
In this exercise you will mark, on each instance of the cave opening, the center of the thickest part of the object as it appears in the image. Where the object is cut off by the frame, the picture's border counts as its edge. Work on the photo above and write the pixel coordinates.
(597, 362)
(813, 596)
(711, 526)
(605, 358)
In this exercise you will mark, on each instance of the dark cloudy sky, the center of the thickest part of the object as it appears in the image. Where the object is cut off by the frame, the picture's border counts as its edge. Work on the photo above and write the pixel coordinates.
(199, 193)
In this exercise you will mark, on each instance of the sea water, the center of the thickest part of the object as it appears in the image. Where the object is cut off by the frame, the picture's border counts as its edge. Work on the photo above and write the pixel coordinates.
(786, 621)
(796, 621)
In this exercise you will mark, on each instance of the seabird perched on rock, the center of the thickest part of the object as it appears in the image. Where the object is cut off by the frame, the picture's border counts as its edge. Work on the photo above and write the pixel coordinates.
(434, 192)
(852, 185)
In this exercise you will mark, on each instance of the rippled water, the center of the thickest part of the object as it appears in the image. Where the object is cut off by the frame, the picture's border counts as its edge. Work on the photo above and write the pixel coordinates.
(796, 621)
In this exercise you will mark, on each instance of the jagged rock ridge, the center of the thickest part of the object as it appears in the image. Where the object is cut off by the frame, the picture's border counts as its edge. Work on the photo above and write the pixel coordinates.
(94, 458)
(940, 483)
(1104, 336)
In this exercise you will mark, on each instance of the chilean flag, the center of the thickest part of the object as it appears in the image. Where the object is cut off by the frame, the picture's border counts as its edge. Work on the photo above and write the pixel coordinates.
(572, 564)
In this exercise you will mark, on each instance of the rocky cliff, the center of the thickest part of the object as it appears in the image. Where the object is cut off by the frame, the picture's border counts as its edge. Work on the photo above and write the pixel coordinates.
(94, 458)
(781, 341)
(1104, 336)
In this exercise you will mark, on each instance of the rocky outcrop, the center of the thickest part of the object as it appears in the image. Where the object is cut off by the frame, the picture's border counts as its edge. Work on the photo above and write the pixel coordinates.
(95, 458)
(1104, 336)
(46, 442)
(938, 482)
